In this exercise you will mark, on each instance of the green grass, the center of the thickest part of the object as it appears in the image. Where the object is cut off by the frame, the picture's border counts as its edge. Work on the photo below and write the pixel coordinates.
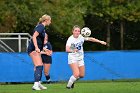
(80, 87)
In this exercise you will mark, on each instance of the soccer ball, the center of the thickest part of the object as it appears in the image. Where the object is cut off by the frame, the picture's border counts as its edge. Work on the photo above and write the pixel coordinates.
(85, 32)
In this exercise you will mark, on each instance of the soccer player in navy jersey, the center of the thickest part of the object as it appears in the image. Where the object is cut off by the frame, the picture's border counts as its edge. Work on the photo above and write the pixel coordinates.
(74, 47)
(35, 47)
(47, 58)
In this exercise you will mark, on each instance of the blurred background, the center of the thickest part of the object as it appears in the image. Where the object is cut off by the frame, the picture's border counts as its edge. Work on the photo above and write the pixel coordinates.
(114, 21)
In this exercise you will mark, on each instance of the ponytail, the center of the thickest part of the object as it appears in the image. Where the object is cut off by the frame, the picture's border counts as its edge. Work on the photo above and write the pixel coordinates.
(43, 18)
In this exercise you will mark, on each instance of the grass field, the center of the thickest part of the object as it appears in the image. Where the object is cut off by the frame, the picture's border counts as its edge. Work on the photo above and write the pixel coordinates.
(80, 87)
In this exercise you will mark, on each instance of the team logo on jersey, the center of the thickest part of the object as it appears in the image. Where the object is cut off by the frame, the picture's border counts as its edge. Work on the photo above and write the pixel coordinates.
(77, 45)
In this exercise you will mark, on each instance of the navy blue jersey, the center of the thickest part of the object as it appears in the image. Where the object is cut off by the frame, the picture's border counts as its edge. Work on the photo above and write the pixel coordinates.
(48, 46)
(45, 58)
(40, 28)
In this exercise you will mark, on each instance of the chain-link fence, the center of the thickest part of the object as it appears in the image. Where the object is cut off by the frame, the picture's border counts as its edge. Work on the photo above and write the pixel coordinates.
(14, 42)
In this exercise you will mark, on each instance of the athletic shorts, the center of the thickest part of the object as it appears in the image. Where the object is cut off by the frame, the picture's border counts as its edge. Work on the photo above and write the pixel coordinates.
(79, 60)
(32, 48)
(46, 59)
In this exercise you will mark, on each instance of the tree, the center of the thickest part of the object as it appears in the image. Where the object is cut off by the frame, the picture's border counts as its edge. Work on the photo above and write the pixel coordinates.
(116, 10)
(22, 16)
(65, 14)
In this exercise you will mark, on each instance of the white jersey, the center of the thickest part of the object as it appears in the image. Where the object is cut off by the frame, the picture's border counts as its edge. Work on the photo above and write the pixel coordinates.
(78, 44)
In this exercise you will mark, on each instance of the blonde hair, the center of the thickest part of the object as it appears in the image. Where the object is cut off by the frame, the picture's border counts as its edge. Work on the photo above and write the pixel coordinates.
(76, 26)
(43, 18)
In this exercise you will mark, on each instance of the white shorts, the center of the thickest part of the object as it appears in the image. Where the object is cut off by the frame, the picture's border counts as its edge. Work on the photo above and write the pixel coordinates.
(73, 59)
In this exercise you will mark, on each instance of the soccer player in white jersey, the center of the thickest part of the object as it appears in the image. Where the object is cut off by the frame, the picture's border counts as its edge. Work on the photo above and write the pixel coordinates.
(74, 47)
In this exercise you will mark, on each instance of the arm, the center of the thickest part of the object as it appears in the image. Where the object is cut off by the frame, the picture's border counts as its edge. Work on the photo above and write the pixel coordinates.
(96, 40)
(50, 52)
(35, 41)
(42, 52)
(46, 52)
(70, 47)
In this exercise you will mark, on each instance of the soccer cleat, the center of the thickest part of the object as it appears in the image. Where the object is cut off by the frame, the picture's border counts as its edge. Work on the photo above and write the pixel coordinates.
(42, 87)
(36, 88)
(68, 87)
(48, 81)
(72, 86)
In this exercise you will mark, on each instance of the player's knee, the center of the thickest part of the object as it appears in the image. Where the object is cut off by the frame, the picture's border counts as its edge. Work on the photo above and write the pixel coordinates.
(76, 75)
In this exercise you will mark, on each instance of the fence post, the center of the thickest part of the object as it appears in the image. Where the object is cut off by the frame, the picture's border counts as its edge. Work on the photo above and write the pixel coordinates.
(19, 43)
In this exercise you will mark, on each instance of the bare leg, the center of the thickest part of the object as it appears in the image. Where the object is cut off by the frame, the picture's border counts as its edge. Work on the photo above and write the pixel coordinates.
(75, 75)
(46, 72)
(82, 71)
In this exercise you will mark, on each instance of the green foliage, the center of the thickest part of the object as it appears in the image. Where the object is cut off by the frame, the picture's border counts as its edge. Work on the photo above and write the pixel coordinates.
(22, 16)
(7, 19)
(108, 12)
(111, 10)
(66, 13)
(25, 14)
(22, 13)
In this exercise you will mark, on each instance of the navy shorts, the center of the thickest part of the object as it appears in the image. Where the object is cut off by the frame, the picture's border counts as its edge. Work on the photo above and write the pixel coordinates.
(46, 59)
(32, 48)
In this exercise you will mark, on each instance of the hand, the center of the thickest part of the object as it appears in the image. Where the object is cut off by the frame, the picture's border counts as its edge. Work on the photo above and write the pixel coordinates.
(44, 49)
(37, 50)
(49, 53)
(75, 50)
(103, 43)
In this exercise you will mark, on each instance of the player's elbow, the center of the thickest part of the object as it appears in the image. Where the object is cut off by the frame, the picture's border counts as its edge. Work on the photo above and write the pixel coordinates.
(67, 49)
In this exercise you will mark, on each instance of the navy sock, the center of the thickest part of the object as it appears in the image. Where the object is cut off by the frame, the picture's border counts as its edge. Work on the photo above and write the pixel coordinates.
(38, 73)
(47, 77)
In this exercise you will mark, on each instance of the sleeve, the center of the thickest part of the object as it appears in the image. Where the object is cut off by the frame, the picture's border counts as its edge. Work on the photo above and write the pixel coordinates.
(86, 38)
(39, 28)
(83, 38)
(68, 42)
(50, 46)
(45, 46)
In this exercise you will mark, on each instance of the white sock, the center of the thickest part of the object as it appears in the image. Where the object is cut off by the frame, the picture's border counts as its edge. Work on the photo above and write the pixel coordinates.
(71, 81)
(36, 83)
(39, 82)
(49, 80)
(78, 78)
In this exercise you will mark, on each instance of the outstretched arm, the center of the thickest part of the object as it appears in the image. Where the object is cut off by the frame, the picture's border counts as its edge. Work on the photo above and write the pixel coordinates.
(95, 40)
